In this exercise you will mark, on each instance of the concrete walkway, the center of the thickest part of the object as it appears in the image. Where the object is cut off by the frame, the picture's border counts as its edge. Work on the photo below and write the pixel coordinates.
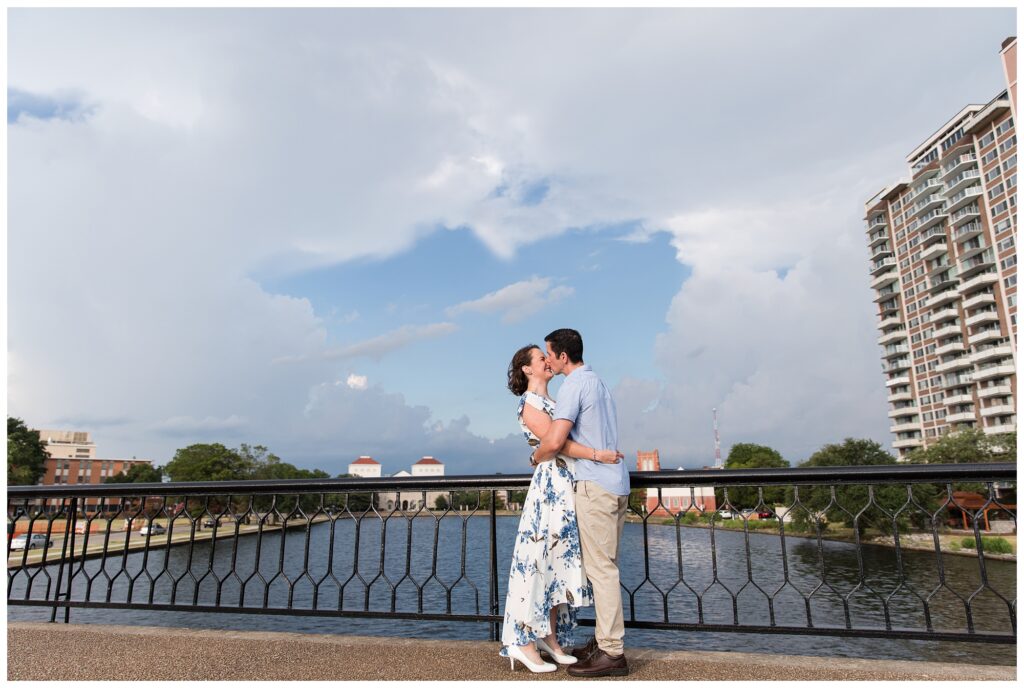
(80, 652)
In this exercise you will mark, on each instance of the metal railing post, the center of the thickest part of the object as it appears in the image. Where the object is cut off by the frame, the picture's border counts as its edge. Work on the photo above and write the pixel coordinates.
(495, 627)
(68, 530)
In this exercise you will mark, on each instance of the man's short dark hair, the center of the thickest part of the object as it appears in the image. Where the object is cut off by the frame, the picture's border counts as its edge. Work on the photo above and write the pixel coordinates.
(568, 341)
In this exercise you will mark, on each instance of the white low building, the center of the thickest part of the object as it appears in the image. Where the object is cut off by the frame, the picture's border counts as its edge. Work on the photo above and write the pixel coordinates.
(428, 466)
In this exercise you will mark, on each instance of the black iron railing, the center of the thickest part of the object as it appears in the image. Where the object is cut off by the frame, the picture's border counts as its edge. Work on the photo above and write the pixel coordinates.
(847, 551)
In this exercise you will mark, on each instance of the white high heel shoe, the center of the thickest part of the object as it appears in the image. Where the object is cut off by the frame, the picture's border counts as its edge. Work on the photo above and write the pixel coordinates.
(514, 653)
(558, 657)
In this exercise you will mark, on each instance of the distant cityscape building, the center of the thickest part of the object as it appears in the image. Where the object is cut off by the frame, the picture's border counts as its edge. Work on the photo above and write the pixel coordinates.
(72, 461)
(366, 467)
(673, 500)
(944, 271)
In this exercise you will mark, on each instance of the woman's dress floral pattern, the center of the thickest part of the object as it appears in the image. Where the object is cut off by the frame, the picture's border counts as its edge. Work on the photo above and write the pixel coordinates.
(547, 563)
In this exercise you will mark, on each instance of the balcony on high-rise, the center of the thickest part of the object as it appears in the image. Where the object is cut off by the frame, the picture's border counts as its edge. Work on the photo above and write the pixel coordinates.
(945, 313)
(959, 164)
(899, 334)
(958, 399)
(935, 250)
(984, 298)
(994, 388)
(877, 237)
(949, 330)
(954, 347)
(881, 251)
(886, 292)
(988, 315)
(977, 263)
(968, 212)
(979, 282)
(1003, 407)
(984, 335)
(885, 278)
(955, 184)
(985, 371)
(992, 351)
(933, 216)
(880, 265)
(964, 232)
(965, 417)
(961, 362)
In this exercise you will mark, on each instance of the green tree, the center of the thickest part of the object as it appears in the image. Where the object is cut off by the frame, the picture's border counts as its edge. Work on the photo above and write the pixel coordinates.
(860, 506)
(970, 445)
(138, 473)
(746, 455)
(638, 501)
(207, 462)
(517, 497)
(26, 454)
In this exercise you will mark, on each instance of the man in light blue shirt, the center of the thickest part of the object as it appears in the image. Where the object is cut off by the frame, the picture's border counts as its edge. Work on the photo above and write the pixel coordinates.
(585, 412)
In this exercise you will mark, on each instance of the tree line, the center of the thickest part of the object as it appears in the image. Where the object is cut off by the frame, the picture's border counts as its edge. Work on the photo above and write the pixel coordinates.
(869, 506)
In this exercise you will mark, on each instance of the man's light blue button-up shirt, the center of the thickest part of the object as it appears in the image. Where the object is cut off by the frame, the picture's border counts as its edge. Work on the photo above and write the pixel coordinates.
(584, 400)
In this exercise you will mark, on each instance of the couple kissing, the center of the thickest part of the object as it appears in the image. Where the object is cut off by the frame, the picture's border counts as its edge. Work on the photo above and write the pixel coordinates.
(567, 545)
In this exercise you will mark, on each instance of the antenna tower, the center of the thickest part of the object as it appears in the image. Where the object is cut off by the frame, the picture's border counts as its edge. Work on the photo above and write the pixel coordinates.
(718, 444)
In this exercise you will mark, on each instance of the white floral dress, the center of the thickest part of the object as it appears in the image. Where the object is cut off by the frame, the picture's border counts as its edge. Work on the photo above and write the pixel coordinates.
(547, 563)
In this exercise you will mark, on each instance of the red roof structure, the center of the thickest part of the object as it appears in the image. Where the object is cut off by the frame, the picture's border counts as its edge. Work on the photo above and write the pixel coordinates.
(366, 459)
(428, 459)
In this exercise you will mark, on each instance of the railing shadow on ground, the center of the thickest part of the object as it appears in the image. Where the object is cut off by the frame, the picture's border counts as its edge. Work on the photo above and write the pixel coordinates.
(750, 551)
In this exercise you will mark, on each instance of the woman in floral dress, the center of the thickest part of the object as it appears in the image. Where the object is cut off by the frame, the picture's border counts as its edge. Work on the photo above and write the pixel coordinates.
(547, 581)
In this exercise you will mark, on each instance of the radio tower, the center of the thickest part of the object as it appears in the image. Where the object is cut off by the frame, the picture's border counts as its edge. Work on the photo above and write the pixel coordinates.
(718, 445)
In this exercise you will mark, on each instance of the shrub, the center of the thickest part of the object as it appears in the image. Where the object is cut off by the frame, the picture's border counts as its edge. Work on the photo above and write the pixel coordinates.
(995, 545)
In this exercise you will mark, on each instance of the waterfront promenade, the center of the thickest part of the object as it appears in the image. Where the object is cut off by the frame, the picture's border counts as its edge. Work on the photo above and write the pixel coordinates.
(106, 653)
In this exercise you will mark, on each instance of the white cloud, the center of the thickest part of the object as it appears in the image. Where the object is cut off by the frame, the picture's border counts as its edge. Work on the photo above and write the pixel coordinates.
(788, 361)
(356, 381)
(376, 347)
(218, 145)
(187, 426)
(516, 301)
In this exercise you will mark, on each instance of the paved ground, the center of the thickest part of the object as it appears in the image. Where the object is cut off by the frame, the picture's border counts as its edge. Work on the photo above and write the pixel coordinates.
(77, 652)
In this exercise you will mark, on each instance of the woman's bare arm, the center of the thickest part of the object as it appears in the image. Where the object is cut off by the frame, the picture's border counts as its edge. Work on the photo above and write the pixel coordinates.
(539, 423)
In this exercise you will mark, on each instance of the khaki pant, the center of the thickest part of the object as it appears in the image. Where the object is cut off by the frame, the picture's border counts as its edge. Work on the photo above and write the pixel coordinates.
(601, 515)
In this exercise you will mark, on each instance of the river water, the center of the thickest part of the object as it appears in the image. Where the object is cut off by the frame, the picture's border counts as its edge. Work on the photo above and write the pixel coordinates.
(357, 585)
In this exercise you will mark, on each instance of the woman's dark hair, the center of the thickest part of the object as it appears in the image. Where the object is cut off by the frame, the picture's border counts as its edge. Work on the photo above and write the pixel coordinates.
(566, 341)
(517, 382)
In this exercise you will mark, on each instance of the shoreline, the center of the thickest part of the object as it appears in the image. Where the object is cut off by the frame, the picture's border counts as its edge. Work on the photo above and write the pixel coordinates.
(138, 543)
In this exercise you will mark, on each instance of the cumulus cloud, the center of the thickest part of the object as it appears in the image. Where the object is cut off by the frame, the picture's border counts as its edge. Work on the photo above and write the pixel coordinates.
(188, 426)
(788, 361)
(141, 223)
(356, 381)
(376, 347)
(516, 301)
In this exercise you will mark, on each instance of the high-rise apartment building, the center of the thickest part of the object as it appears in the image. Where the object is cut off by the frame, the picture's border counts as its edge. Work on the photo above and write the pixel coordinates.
(944, 272)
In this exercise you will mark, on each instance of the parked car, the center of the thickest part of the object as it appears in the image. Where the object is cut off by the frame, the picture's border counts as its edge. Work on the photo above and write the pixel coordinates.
(725, 513)
(152, 529)
(37, 540)
(766, 514)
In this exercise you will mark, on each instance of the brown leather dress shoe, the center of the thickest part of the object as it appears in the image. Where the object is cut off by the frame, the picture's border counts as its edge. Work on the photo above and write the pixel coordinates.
(600, 664)
(583, 652)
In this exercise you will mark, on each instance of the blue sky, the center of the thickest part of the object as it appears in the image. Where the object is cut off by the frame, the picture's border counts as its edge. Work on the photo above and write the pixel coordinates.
(467, 369)
(327, 231)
